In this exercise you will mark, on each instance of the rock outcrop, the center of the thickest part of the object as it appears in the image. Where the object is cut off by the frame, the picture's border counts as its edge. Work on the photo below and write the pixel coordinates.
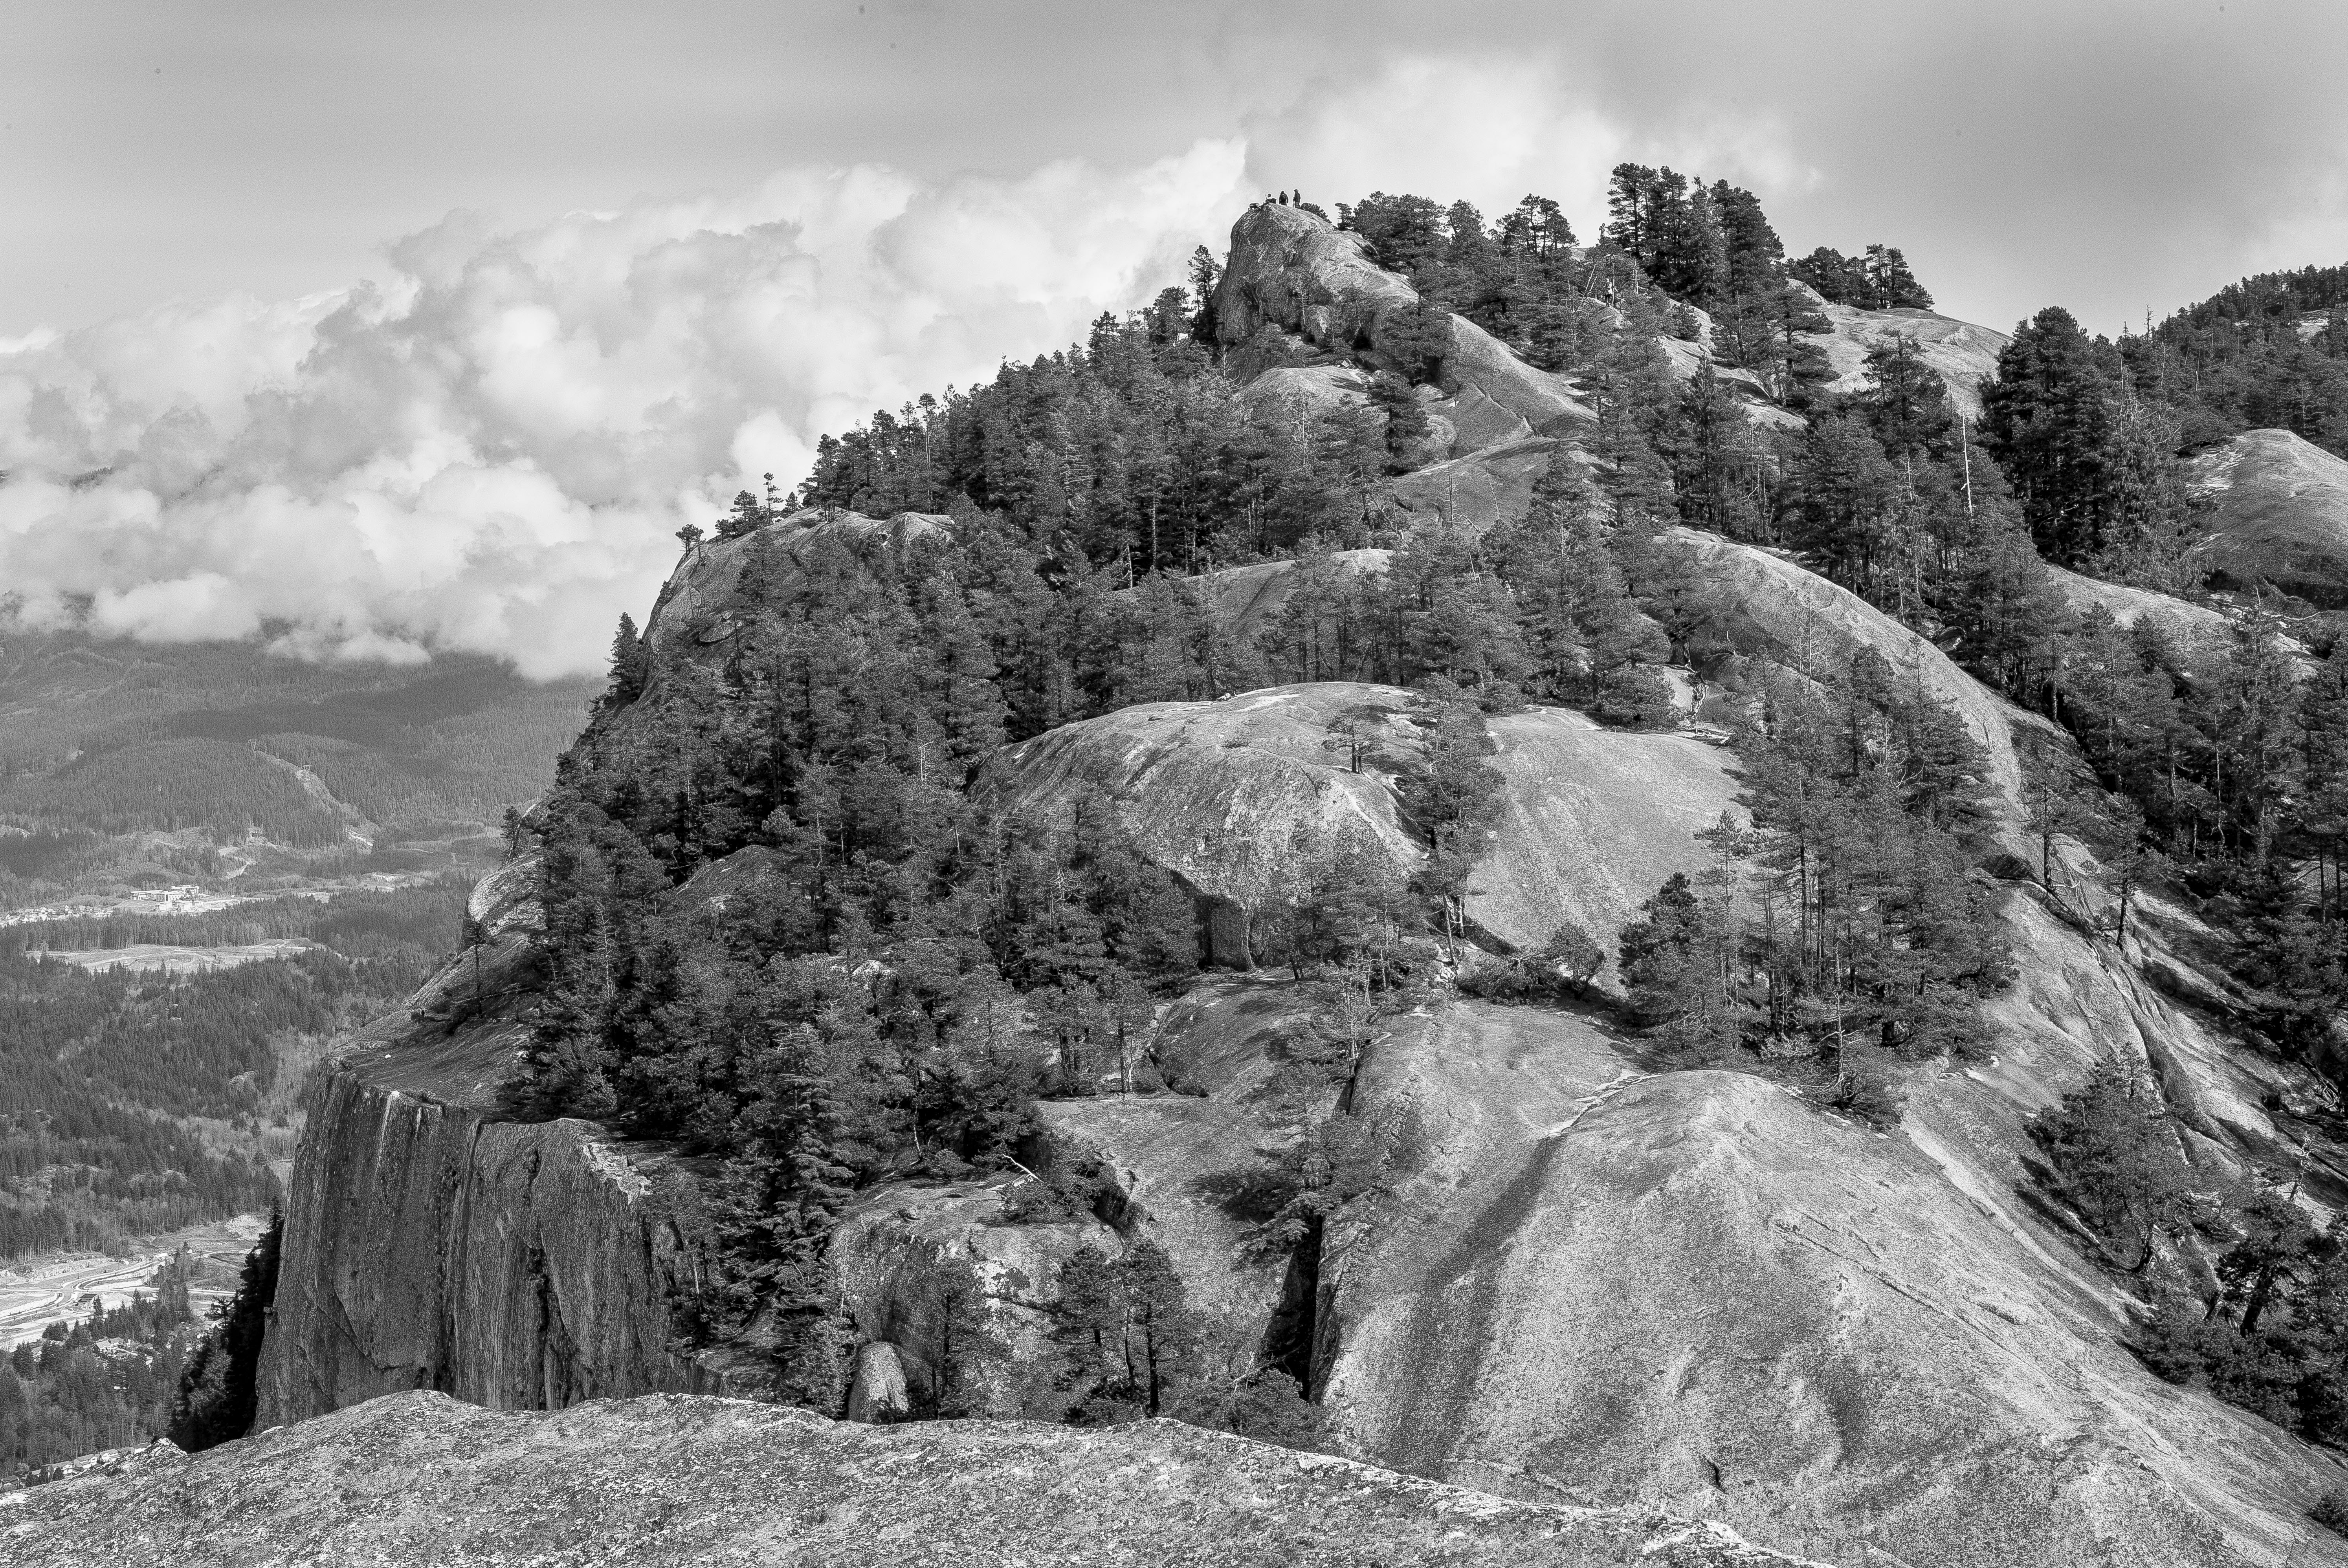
(1298, 272)
(1964, 354)
(1474, 492)
(884, 1254)
(1249, 599)
(1756, 601)
(431, 1246)
(2277, 516)
(706, 598)
(714, 1483)
(1696, 1289)
(1240, 797)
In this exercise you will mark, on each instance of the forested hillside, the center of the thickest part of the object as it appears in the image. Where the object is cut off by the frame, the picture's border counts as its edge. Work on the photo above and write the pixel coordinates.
(788, 925)
(131, 1104)
(126, 766)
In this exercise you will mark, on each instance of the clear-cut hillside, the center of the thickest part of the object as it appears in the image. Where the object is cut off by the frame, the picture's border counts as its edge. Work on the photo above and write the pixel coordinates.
(716, 1483)
(2277, 515)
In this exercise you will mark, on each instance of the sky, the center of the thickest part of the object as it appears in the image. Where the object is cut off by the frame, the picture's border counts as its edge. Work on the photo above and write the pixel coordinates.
(402, 327)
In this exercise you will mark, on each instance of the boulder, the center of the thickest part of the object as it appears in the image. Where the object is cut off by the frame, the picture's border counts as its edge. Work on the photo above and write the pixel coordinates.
(876, 1390)
(1696, 1289)
(886, 1243)
(683, 1482)
(2276, 515)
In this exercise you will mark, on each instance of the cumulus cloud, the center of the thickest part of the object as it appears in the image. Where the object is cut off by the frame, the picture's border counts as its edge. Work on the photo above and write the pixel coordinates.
(1492, 129)
(492, 450)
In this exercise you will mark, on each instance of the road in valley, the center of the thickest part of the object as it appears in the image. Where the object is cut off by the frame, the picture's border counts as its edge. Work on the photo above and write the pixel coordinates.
(36, 1292)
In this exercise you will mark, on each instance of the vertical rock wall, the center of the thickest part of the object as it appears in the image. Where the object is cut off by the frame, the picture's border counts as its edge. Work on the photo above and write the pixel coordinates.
(520, 1267)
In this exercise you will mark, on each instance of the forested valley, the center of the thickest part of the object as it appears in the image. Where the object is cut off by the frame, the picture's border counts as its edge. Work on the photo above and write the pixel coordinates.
(133, 1103)
(888, 969)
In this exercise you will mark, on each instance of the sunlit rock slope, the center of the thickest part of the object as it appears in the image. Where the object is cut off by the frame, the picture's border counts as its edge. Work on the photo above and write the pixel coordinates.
(2277, 516)
(419, 1479)
(1242, 797)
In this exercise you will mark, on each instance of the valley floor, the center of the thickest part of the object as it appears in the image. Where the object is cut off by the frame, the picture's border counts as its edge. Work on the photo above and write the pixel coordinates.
(36, 1292)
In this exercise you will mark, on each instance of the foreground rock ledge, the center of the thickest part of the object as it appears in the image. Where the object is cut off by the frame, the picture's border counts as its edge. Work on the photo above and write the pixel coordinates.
(418, 1479)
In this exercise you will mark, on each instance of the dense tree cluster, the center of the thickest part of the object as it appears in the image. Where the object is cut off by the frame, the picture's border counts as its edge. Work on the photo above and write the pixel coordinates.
(1842, 923)
(1877, 281)
(1128, 1345)
(108, 1381)
(169, 786)
(2268, 353)
(2250, 1293)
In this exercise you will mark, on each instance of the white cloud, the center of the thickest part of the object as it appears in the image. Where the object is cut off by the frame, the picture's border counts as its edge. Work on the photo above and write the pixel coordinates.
(493, 451)
(1492, 131)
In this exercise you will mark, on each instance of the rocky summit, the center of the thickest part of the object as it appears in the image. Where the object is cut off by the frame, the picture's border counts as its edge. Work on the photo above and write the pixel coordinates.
(424, 1482)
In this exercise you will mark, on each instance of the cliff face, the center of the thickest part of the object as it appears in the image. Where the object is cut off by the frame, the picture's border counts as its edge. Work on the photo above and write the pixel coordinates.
(516, 1266)
(429, 1246)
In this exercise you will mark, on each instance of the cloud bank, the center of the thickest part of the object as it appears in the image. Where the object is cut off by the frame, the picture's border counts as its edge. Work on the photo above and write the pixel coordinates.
(491, 451)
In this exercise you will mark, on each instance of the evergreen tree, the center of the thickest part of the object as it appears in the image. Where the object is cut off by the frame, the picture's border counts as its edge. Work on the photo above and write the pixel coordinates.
(216, 1395)
(630, 666)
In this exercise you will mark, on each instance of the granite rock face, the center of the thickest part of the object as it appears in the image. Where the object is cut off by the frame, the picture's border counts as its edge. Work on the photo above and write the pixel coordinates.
(719, 1483)
(890, 1239)
(1964, 354)
(1239, 798)
(1299, 272)
(429, 1244)
(2277, 515)
(1474, 492)
(1757, 603)
(1697, 1290)
(514, 1266)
